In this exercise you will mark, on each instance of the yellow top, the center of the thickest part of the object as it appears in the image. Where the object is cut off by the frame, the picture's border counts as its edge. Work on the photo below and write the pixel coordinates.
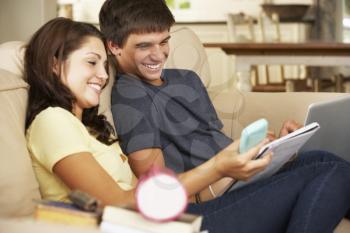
(56, 133)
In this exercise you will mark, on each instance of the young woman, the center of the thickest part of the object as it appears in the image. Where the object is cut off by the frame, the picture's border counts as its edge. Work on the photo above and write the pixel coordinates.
(70, 144)
(72, 147)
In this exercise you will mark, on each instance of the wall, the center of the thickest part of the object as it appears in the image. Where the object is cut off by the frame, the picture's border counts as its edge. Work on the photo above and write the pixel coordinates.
(201, 10)
(20, 18)
(209, 10)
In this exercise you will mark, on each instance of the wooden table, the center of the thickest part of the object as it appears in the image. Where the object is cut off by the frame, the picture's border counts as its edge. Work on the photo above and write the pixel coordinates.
(309, 54)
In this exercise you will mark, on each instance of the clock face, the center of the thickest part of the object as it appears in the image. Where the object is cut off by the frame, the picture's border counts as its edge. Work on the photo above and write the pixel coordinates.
(160, 196)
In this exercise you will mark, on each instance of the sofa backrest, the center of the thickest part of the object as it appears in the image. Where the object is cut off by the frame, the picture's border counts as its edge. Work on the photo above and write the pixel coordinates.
(17, 181)
(187, 52)
(238, 109)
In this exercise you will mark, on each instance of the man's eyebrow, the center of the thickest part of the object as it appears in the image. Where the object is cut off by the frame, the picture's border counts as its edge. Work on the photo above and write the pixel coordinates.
(143, 43)
(167, 38)
(149, 42)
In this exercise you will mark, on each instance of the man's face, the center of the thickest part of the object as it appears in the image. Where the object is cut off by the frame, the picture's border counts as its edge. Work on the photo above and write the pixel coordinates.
(143, 55)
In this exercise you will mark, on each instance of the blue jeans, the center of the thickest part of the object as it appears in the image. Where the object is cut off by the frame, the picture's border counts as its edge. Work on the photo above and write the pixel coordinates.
(310, 194)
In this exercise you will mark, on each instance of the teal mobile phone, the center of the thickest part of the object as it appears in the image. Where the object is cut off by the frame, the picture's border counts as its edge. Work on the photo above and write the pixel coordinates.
(253, 134)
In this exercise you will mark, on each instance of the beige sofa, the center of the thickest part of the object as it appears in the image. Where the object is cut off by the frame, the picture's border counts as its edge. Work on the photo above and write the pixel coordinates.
(18, 186)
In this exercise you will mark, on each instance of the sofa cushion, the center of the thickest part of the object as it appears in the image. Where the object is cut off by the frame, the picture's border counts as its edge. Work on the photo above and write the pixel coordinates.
(17, 180)
(105, 99)
(185, 42)
(11, 57)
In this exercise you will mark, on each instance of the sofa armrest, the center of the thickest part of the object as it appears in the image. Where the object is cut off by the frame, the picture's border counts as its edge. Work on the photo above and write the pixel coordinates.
(237, 109)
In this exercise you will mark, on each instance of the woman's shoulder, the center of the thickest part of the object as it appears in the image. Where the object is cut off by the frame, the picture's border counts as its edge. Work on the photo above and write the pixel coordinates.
(54, 116)
(53, 112)
(56, 121)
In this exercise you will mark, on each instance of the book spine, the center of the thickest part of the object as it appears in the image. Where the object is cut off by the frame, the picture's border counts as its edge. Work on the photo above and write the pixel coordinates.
(64, 216)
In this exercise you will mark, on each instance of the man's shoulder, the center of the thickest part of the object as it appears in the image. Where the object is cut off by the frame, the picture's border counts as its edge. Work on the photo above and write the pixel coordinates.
(127, 85)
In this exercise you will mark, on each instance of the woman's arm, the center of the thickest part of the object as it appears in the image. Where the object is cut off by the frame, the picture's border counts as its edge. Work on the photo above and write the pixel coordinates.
(81, 171)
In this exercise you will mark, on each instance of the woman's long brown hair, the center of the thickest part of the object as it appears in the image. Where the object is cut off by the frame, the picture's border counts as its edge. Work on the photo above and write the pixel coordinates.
(54, 42)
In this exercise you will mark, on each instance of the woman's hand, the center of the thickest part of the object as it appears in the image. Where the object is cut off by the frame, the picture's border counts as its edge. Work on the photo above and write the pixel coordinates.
(229, 163)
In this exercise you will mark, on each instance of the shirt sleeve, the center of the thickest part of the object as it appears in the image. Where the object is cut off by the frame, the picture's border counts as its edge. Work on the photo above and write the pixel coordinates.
(133, 115)
(55, 134)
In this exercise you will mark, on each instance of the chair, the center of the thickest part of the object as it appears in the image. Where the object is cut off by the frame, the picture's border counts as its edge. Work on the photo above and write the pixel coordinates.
(342, 83)
(335, 83)
(273, 76)
(270, 23)
(247, 35)
(240, 19)
(271, 32)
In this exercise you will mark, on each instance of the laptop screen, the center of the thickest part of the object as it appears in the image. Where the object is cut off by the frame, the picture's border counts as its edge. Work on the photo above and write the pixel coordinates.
(334, 134)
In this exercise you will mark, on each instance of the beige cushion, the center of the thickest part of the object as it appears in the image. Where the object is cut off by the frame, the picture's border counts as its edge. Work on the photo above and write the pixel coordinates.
(11, 57)
(17, 181)
(187, 52)
(237, 109)
(343, 226)
(105, 100)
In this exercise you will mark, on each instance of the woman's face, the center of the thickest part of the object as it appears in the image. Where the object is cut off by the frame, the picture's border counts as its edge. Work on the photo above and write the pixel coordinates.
(84, 73)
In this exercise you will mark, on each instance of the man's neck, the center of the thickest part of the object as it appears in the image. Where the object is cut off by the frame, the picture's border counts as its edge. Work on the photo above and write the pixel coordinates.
(156, 82)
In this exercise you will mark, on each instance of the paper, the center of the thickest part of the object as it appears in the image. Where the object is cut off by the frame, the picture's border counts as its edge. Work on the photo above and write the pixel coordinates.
(132, 220)
(283, 150)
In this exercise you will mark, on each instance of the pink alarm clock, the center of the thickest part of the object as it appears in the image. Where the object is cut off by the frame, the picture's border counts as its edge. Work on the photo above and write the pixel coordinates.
(160, 196)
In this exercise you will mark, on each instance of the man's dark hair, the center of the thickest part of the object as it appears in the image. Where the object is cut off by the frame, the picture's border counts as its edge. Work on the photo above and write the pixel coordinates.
(120, 18)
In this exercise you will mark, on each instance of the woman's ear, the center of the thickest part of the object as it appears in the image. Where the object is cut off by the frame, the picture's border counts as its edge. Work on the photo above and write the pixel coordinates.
(56, 66)
(114, 48)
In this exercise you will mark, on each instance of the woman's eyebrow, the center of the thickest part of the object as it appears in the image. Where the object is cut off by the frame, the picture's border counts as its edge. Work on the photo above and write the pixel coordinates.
(98, 55)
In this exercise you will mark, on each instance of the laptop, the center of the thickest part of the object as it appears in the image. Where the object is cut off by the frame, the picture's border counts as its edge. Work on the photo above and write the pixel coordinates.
(334, 134)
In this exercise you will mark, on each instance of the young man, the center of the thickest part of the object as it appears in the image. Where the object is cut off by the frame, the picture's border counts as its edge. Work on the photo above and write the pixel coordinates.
(165, 117)
(161, 116)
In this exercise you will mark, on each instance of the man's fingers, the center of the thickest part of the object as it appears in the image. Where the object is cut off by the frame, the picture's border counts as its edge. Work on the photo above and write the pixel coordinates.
(289, 126)
(271, 135)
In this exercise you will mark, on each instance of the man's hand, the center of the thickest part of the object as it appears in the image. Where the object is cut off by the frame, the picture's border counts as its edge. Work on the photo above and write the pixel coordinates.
(271, 135)
(289, 126)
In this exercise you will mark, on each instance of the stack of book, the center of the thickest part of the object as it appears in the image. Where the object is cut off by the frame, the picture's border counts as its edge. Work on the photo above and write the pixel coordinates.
(65, 213)
(121, 220)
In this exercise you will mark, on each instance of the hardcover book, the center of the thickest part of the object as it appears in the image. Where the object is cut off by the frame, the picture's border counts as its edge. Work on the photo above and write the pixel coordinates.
(65, 213)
